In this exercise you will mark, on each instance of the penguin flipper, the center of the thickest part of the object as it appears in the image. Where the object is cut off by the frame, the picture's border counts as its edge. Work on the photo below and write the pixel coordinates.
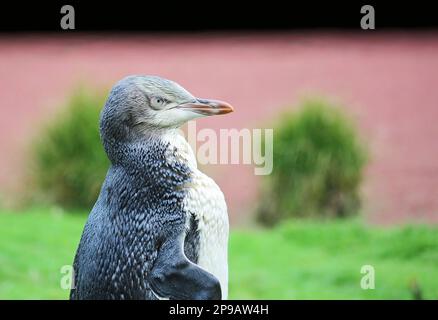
(174, 277)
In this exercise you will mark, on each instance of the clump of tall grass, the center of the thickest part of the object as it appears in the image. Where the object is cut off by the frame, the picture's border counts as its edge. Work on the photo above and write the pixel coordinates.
(318, 165)
(69, 162)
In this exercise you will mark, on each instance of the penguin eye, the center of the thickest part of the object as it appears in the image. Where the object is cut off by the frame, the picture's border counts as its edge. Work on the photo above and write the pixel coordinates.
(158, 102)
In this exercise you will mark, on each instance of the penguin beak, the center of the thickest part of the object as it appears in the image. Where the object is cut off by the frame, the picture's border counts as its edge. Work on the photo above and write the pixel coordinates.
(207, 107)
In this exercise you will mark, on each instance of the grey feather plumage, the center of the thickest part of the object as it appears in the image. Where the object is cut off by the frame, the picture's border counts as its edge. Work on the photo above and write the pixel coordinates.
(139, 211)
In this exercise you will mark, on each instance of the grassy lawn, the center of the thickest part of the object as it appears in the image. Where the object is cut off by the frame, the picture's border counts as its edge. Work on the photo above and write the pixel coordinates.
(299, 260)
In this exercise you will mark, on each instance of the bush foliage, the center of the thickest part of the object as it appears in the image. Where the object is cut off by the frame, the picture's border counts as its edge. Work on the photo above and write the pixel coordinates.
(318, 165)
(69, 161)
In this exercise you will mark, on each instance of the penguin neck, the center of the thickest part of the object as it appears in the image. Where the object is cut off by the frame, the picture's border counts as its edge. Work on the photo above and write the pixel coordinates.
(167, 145)
(179, 149)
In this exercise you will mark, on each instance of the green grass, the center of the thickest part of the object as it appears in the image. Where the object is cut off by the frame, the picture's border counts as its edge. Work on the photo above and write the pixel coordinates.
(298, 260)
(317, 260)
(33, 247)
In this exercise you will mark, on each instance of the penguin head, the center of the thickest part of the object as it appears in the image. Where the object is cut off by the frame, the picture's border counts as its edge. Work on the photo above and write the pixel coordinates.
(141, 104)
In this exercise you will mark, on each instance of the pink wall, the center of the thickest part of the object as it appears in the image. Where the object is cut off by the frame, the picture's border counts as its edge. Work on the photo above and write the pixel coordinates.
(388, 81)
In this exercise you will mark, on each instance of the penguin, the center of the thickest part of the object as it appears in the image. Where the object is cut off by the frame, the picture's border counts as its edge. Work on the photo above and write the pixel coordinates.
(159, 228)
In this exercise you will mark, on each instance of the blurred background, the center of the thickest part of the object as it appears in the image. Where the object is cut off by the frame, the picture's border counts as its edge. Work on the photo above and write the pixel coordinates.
(355, 179)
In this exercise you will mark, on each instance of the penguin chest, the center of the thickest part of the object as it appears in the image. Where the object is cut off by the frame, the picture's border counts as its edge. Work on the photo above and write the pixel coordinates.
(206, 202)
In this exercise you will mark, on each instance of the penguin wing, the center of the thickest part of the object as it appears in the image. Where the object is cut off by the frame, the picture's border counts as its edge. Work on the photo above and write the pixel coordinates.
(174, 277)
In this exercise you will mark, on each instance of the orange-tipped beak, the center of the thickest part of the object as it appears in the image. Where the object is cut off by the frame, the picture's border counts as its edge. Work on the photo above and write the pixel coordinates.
(207, 107)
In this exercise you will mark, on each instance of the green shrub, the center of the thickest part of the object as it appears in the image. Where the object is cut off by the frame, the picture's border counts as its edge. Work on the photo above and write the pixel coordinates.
(318, 166)
(69, 161)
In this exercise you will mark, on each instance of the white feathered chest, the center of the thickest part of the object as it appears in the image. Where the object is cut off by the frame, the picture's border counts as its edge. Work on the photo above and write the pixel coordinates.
(207, 202)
